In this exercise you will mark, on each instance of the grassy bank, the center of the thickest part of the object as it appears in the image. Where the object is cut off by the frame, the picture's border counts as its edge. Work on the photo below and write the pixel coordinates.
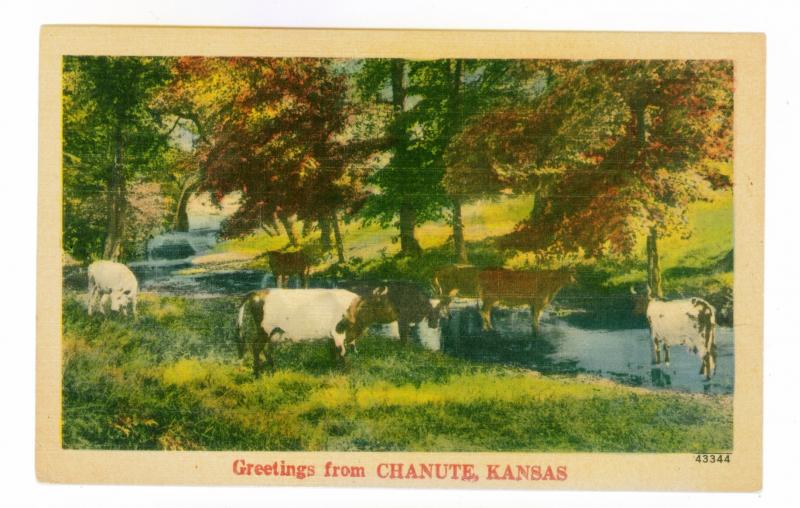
(172, 380)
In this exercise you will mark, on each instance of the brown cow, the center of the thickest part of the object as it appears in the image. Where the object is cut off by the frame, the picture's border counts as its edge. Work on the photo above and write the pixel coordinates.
(285, 264)
(456, 280)
(536, 289)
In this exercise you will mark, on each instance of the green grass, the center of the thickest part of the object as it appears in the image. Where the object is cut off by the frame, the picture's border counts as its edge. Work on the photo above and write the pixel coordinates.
(710, 237)
(365, 241)
(171, 380)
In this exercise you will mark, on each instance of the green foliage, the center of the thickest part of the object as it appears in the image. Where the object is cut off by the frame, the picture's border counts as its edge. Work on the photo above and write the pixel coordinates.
(271, 129)
(172, 381)
(438, 97)
(107, 111)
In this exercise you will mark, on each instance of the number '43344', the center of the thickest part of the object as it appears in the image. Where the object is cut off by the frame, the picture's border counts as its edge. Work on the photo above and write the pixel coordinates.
(706, 458)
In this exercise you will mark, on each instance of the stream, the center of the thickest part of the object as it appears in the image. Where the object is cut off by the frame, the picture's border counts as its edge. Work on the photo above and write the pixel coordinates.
(560, 347)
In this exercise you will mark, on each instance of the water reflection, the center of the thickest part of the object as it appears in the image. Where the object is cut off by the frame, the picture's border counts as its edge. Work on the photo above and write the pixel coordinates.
(622, 355)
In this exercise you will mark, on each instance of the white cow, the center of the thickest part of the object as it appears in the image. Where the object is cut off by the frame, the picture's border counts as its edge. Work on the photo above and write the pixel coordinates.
(112, 283)
(307, 314)
(690, 322)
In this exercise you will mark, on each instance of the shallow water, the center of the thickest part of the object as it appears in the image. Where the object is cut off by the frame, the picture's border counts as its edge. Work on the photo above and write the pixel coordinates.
(559, 347)
(621, 354)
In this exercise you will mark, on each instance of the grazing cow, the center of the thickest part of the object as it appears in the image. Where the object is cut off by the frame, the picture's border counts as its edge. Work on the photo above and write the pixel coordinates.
(285, 264)
(409, 304)
(689, 322)
(306, 314)
(112, 283)
(536, 289)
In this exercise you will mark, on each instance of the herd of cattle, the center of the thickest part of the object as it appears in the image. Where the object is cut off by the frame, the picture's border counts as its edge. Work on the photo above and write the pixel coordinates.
(343, 314)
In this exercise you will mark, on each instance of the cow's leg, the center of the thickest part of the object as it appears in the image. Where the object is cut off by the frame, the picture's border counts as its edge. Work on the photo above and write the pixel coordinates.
(665, 346)
(403, 326)
(713, 358)
(92, 297)
(711, 347)
(486, 313)
(104, 302)
(656, 351)
(270, 354)
(536, 313)
(257, 347)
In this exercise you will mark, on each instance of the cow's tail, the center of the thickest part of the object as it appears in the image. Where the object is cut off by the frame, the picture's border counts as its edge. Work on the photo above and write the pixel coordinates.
(240, 326)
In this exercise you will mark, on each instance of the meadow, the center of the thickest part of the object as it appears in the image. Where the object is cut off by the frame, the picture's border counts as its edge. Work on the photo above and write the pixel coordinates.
(172, 381)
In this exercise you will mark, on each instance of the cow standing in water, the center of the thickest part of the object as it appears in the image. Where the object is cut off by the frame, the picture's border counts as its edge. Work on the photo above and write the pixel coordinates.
(497, 285)
(302, 315)
(536, 289)
(112, 284)
(689, 322)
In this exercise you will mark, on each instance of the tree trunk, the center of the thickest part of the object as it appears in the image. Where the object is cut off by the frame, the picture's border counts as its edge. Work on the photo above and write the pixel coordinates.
(289, 226)
(408, 220)
(181, 222)
(653, 265)
(408, 212)
(459, 246)
(337, 233)
(116, 204)
(270, 225)
(181, 217)
(398, 89)
(325, 233)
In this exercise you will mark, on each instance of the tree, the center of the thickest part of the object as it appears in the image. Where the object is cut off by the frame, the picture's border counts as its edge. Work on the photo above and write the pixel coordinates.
(472, 86)
(631, 144)
(269, 129)
(113, 138)
(430, 101)
(410, 183)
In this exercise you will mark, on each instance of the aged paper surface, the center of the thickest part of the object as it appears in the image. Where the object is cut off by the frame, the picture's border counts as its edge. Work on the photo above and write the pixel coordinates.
(552, 389)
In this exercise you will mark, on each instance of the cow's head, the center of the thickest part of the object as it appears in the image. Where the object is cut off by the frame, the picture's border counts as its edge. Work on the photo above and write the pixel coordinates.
(439, 310)
(640, 300)
(367, 310)
(440, 306)
(441, 297)
(119, 298)
(377, 308)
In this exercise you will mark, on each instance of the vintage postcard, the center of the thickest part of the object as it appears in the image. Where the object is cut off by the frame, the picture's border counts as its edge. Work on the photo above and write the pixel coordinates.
(454, 259)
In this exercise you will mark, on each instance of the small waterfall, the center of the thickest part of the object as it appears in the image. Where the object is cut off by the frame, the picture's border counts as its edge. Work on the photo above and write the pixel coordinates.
(177, 245)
